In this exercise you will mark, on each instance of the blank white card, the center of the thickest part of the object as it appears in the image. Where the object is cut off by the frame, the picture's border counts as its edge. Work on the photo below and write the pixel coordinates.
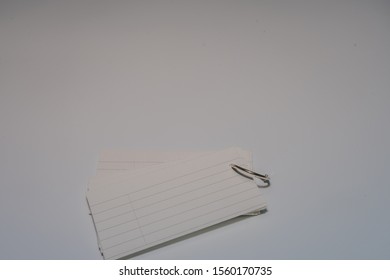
(144, 207)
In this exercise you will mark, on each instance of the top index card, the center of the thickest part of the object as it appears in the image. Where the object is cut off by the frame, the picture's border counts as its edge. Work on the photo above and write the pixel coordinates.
(140, 210)
(121, 161)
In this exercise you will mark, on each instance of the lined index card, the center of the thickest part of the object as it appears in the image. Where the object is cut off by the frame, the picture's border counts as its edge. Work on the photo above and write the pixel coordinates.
(121, 161)
(144, 208)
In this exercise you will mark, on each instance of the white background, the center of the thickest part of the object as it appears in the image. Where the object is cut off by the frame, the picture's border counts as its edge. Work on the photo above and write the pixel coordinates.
(304, 85)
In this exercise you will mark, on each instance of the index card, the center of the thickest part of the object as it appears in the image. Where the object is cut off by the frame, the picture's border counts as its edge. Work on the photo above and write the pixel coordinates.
(114, 165)
(140, 210)
(120, 161)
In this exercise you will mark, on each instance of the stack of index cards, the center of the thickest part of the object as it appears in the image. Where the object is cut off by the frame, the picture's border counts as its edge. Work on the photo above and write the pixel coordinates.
(140, 199)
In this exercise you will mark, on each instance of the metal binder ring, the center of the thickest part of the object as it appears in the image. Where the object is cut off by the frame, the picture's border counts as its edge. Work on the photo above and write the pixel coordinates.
(254, 176)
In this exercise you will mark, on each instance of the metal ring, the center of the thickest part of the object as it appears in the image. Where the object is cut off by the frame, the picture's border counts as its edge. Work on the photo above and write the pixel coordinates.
(265, 178)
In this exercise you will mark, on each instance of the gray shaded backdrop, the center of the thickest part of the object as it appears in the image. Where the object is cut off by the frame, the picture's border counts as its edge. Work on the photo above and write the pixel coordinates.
(304, 85)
